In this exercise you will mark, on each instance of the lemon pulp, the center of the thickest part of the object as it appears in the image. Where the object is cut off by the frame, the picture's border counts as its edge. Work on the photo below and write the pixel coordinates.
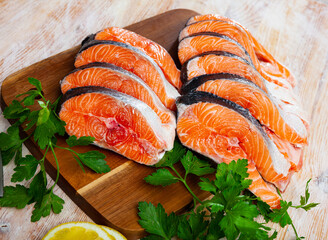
(77, 233)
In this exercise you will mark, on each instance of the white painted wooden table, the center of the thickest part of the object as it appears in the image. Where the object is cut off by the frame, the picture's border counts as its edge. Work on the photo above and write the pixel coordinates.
(296, 32)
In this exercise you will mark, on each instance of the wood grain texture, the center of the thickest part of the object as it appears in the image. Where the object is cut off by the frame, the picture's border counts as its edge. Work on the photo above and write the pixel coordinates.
(296, 32)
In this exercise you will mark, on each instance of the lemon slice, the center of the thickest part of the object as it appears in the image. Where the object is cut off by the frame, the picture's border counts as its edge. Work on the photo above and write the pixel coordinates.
(78, 231)
(115, 234)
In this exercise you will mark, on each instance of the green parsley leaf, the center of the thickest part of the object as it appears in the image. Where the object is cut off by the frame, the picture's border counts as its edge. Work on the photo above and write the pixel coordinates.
(281, 215)
(161, 177)
(59, 124)
(245, 209)
(155, 221)
(173, 156)
(79, 162)
(309, 206)
(232, 177)
(26, 169)
(38, 188)
(207, 185)
(11, 139)
(264, 209)
(240, 219)
(49, 202)
(32, 120)
(216, 203)
(9, 154)
(196, 166)
(304, 199)
(36, 83)
(29, 99)
(214, 230)
(18, 154)
(251, 229)
(274, 235)
(239, 167)
(54, 105)
(43, 134)
(17, 197)
(82, 141)
(15, 111)
(95, 161)
(192, 226)
(45, 131)
(43, 114)
(10, 145)
(228, 227)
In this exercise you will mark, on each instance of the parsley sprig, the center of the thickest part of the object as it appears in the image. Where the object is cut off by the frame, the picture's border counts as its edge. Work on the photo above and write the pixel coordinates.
(231, 211)
(43, 125)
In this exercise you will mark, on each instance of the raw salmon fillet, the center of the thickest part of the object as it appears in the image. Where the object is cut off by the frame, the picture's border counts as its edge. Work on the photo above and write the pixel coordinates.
(208, 124)
(220, 62)
(231, 129)
(251, 97)
(293, 153)
(238, 34)
(117, 121)
(152, 49)
(266, 59)
(133, 60)
(223, 62)
(260, 188)
(116, 78)
(198, 43)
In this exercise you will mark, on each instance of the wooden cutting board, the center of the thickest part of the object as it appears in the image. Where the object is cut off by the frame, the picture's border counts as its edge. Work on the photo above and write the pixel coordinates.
(111, 198)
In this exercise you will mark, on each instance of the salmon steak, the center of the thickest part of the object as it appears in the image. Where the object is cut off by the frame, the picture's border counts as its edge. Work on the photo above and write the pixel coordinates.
(198, 43)
(273, 67)
(221, 129)
(208, 125)
(133, 60)
(220, 62)
(152, 49)
(238, 34)
(116, 78)
(224, 62)
(117, 121)
(248, 95)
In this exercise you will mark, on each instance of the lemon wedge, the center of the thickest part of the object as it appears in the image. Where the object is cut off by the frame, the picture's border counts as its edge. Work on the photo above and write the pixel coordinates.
(82, 230)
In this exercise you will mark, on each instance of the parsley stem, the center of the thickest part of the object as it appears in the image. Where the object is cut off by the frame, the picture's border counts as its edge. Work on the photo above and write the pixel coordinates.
(41, 95)
(57, 164)
(42, 166)
(191, 192)
(68, 149)
(183, 180)
(72, 151)
(23, 140)
(297, 237)
(176, 172)
(45, 154)
(195, 203)
(30, 135)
